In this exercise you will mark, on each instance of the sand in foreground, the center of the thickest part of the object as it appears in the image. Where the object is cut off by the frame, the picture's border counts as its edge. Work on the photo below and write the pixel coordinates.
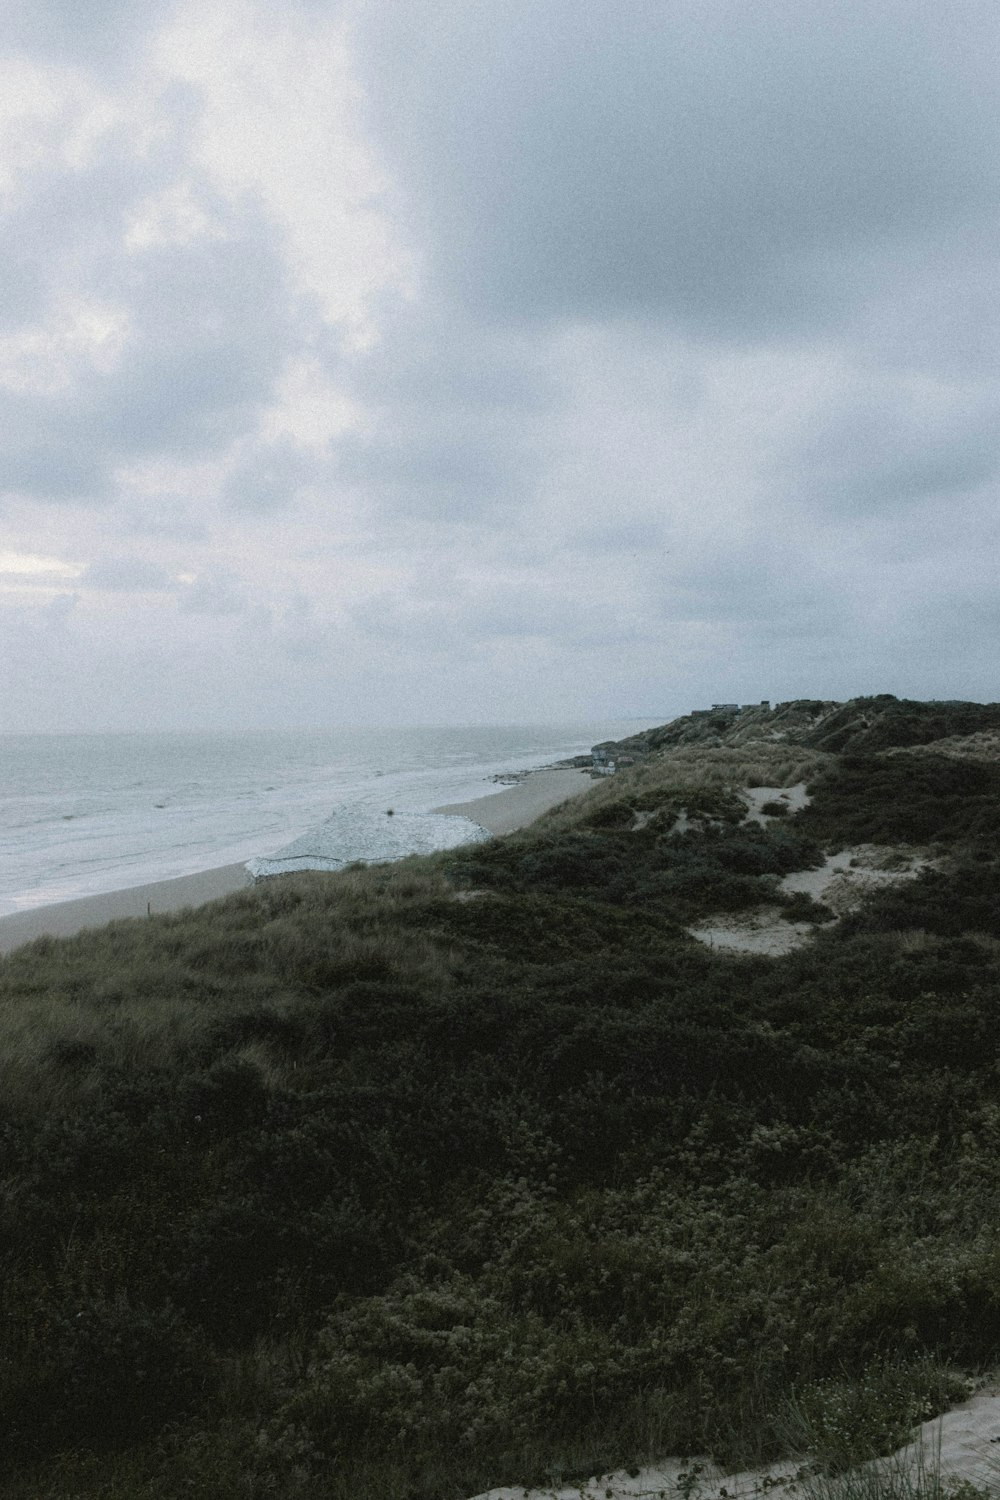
(517, 806)
(69, 917)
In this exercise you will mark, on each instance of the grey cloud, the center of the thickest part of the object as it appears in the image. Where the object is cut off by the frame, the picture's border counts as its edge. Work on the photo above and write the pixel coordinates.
(209, 324)
(270, 476)
(452, 420)
(297, 632)
(126, 574)
(39, 456)
(63, 227)
(211, 328)
(572, 621)
(165, 517)
(522, 609)
(888, 448)
(937, 308)
(101, 32)
(766, 584)
(444, 473)
(739, 172)
(625, 536)
(59, 609)
(218, 593)
(438, 358)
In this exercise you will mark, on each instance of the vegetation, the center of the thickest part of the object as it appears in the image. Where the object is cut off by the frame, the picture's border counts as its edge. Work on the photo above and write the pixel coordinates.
(478, 1169)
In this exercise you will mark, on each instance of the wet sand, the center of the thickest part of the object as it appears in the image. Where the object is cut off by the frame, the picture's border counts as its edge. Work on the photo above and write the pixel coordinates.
(69, 917)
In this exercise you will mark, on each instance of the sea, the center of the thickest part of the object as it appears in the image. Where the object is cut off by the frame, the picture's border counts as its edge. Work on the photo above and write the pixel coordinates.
(82, 814)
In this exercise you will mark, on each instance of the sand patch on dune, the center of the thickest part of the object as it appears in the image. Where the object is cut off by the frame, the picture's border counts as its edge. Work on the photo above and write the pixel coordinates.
(842, 883)
(844, 880)
(792, 798)
(759, 931)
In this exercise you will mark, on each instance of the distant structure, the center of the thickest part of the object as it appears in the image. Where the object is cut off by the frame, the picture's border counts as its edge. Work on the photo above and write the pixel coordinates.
(731, 708)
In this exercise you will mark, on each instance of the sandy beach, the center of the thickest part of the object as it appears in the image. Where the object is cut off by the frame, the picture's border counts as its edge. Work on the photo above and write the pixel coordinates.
(69, 917)
(517, 806)
(501, 812)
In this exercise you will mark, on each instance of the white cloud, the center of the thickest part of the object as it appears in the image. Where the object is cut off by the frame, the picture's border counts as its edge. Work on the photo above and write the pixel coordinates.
(172, 216)
(30, 565)
(78, 337)
(48, 114)
(127, 574)
(308, 407)
(280, 120)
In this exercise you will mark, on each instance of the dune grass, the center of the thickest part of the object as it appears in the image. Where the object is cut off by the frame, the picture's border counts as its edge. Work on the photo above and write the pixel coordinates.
(350, 1186)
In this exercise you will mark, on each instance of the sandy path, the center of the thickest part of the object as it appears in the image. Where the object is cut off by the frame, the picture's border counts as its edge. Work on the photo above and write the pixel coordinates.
(965, 1441)
(516, 806)
(69, 917)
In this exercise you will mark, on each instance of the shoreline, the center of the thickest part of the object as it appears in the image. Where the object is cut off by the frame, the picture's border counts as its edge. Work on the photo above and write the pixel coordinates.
(498, 812)
(67, 918)
(516, 806)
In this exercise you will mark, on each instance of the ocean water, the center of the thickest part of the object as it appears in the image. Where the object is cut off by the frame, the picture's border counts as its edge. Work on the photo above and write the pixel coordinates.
(82, 814)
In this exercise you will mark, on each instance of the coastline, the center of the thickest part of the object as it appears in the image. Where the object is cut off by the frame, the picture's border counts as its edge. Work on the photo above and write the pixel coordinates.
(517, 806)
(66, 918)
(498, 812)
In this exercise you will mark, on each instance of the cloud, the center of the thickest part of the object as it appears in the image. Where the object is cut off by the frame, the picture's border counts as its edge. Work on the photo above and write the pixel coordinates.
(451, 418)
(200, 328)
(732, 173)
(297, 632)
(638, 537)
(31, 565)
(448, 472)
(898, 444)
(219, 593)
(126, 574)
(277, 121)
(268, 477)
(496, 359)
(105, 33)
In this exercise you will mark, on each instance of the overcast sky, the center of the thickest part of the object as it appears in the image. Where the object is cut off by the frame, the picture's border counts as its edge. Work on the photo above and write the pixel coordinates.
(431, 361)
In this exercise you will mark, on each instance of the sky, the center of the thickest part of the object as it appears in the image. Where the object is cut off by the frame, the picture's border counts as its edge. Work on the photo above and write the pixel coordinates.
(494, 361)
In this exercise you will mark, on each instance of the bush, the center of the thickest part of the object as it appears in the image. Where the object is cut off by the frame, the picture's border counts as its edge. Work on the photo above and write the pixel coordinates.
(97, 1373)
(842, 1423)
(905, 799)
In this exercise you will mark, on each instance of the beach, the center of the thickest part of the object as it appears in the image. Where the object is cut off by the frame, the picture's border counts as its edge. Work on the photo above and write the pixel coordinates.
(499, 812)
(517, 806)
(68, 917)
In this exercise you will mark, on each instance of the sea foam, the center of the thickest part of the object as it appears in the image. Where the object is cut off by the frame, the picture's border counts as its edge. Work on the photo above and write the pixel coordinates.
(354, 833)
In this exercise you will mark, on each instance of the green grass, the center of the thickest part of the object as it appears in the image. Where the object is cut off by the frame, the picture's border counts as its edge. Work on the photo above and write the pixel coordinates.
(477, 1169)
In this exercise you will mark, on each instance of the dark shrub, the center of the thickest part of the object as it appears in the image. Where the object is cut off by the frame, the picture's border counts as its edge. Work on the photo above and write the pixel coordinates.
(97, 1374)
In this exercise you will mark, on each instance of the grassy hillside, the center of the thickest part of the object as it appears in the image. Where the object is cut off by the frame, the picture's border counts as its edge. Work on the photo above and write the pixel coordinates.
(480, 1169)
(860, 726)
